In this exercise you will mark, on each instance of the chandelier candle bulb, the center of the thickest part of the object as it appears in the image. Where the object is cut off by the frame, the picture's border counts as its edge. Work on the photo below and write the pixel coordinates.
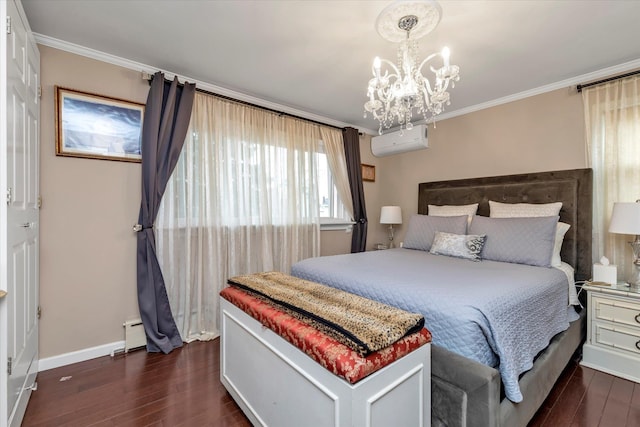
(376, 66)
(445, 55)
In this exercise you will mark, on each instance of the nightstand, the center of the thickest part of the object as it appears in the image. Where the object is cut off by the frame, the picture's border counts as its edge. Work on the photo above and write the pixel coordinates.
(613, 331)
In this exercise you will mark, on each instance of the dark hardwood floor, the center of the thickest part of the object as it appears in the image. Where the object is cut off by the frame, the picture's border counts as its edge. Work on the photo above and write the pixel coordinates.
(183, 389)
(137, 389)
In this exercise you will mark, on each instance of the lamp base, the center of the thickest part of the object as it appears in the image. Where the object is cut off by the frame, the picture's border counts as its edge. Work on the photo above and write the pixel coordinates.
(391, 244)
(634, 279)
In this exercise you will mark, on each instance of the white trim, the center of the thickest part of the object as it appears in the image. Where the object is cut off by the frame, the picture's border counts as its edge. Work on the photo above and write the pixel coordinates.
(133, 65)
(144, 68)
(347, 226)
(573, 81)
(79, 356)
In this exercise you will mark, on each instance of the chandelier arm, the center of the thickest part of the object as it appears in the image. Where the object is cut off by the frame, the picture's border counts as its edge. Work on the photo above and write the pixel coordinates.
(396, 72)
(427, 59)
(426, 92)
(445, 85)
(427, 85)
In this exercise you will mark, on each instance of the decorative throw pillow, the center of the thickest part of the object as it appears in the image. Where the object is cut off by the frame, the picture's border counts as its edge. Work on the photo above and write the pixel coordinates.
(518, 240)
(422, 229)
(520, 210)
(465, 246)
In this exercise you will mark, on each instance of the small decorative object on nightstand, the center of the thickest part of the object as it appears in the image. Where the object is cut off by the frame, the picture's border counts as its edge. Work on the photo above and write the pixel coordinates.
(613, 330)
(391, 215)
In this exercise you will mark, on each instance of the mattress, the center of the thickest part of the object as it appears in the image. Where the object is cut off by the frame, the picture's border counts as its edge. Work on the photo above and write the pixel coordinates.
(498, 314)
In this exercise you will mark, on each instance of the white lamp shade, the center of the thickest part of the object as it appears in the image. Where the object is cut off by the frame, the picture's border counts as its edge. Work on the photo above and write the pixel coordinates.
(391, 215)
(625, 218)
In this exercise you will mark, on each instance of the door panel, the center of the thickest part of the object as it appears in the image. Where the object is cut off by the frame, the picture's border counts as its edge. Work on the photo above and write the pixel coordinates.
(22, 216)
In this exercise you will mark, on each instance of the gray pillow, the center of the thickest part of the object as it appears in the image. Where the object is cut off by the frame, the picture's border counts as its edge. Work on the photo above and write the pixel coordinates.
(422, 229)
(518, 240)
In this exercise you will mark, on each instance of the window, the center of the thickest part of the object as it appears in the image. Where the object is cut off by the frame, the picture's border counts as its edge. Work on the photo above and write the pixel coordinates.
(612, 116)
(333, 214)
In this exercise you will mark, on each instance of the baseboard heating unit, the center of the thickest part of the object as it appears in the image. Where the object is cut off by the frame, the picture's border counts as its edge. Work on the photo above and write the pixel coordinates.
(134, 336)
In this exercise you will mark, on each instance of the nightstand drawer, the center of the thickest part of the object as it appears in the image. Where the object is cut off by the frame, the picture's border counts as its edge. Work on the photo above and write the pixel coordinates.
(617, 311)
(616, 337)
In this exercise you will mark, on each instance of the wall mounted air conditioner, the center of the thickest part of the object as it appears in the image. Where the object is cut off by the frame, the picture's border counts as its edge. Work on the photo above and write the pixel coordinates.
(400, 141)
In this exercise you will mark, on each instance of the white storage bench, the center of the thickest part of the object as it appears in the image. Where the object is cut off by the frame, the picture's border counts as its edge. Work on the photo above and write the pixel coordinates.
(278, 385)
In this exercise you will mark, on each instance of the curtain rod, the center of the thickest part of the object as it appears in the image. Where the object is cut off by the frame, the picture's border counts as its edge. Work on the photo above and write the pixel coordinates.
(149, 77)
(250, 104)
(609, 79)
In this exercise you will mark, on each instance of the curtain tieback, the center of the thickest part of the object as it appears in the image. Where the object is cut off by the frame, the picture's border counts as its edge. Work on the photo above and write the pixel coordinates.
(362, 221)
(139, 227)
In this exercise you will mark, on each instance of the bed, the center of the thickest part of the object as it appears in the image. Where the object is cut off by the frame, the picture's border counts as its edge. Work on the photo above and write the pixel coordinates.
(471, 389)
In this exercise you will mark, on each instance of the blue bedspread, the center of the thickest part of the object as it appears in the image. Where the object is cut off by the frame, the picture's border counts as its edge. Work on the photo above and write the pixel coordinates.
(498, 314)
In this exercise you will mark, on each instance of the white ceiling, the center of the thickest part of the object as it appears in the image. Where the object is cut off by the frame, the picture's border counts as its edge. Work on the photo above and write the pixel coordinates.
(315, 56)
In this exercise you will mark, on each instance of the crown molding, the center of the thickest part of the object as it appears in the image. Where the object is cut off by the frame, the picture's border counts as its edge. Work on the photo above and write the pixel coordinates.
(568, 83)
(144, 68)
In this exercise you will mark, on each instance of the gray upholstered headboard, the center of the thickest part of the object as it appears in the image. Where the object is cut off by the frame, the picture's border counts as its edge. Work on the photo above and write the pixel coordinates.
(571, 187)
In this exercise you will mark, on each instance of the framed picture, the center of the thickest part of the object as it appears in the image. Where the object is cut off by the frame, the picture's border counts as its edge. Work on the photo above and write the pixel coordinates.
(97, 127)
(368, 172)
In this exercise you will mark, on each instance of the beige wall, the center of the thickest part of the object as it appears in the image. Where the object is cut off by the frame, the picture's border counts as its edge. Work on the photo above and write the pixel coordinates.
(87, 262)
(539, 133)
(87, 259)
(87, 267)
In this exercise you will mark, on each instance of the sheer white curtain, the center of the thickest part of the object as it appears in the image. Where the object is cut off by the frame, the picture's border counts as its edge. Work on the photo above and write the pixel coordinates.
(334, 149)
(612, 116)
(243, 199)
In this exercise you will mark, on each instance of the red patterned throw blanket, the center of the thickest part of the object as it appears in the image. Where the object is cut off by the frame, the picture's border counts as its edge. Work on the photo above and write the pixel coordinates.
(359, 323)
(326, 351)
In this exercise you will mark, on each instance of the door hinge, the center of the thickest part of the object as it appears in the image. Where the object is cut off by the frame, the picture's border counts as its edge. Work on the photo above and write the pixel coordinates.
(39, 91)
(39, 312)
(8, 25)
(9, 196)
(9, 363)
(39, 202)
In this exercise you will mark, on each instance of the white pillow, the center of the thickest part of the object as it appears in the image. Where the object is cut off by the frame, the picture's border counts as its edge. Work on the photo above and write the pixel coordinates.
(561, 230)
(520, 210)
(453, 210)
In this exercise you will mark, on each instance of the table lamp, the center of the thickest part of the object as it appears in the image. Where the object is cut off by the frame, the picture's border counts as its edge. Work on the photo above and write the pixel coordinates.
(391, 215)
(625, 219)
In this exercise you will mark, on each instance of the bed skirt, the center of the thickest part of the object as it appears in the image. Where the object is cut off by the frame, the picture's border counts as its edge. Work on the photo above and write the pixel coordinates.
(276, 384)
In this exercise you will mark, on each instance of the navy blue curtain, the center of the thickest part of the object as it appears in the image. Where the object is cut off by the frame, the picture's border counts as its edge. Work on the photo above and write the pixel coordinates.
(166, 119)
(351, 140)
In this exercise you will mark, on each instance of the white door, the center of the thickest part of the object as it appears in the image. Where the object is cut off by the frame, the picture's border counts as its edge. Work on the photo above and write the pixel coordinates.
(21, 219)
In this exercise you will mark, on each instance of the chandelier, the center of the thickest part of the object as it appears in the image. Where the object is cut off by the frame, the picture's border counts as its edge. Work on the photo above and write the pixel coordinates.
(402, 89)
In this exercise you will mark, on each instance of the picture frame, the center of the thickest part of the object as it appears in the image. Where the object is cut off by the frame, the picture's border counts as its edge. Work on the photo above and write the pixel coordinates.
(368, 172)
(95, 126)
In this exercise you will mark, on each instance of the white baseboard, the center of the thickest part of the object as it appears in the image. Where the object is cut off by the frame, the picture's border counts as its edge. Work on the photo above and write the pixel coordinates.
(79, 356)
